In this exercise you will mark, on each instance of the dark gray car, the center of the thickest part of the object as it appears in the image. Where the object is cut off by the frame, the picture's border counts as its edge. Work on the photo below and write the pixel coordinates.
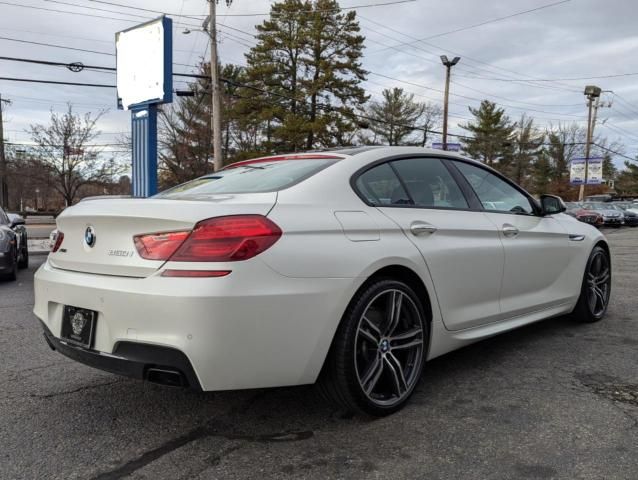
(14, 252)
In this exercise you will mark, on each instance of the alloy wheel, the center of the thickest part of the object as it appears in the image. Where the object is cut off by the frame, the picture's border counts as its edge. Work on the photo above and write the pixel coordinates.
(389, 347)
(598, 283)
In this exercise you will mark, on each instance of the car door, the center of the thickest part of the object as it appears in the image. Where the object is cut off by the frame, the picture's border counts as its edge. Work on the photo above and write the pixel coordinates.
(459, 244)
(537, 248)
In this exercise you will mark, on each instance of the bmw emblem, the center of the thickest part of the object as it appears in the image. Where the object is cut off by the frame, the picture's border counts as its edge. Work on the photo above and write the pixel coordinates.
(89, 236)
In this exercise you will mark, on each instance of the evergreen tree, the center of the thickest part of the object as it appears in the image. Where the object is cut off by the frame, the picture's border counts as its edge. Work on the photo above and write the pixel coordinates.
(308, 60)
(491, 136)
(397, 113)
(527, 145)
(627, 180)
(541, 174)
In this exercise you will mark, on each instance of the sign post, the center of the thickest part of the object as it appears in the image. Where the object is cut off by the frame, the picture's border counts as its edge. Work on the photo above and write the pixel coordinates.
(144, 80)
(584, 171)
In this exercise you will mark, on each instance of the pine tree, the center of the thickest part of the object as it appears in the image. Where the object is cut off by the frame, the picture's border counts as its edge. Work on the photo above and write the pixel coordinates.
(527, 145)
(627, 180)
(491, 136)
(308, 60)
(397, 113)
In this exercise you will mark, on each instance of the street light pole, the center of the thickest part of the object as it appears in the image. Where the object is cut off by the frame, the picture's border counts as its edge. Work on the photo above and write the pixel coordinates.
(591, 92)
(448, 68)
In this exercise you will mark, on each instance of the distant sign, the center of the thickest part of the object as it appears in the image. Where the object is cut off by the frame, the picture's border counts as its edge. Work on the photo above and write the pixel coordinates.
(577, 171)
(144, 64)
(580, 168)
(595, 171)
(451, 147)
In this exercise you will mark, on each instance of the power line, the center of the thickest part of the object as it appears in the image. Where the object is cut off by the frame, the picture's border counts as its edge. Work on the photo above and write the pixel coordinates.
(31, 42)
(92, 8)
(498, 19)
(567, 79)
(197, 16)
(490, 67)
(55, 82)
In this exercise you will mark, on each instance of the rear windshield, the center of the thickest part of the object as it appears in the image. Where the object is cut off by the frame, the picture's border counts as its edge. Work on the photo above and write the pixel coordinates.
(250, 178)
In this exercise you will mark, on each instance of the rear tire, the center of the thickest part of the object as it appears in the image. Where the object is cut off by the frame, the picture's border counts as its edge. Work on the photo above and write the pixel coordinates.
(378, 351)
(23, 261)
(596, 288)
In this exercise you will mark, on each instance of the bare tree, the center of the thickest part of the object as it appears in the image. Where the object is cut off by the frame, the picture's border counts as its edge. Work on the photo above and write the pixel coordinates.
(64, 147)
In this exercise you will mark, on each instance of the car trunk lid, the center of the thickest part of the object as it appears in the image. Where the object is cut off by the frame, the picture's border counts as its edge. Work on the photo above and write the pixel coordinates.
(115, 221)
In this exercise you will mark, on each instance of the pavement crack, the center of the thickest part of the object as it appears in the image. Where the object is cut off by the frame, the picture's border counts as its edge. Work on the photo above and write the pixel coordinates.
(79, 389)
(210, 429)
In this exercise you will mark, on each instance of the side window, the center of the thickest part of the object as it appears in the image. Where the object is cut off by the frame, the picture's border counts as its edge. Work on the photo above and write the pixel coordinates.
(380, 186)
(495, 194)
(429, 183)
(4, 220)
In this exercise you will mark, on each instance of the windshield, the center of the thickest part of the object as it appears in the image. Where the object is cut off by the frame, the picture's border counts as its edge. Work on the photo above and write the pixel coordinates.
(250, 178)
(598, 206)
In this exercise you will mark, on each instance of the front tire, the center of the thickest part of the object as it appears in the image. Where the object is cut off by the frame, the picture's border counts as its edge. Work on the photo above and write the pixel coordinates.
(378, 352)
(596, 288)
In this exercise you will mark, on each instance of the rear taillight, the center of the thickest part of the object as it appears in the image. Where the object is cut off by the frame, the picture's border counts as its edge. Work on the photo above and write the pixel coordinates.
(55, 240)
(221, 239)
(159, 246)
(228, 239)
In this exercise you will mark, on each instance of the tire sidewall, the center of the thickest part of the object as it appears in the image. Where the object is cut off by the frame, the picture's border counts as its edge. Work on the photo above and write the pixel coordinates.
(584, 312)
(351, 324)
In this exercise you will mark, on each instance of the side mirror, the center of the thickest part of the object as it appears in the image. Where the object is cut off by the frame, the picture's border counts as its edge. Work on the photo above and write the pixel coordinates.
(552, 204)
(15, 220)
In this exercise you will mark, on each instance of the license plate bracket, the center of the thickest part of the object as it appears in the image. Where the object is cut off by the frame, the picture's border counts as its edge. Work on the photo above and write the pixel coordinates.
(78, 326)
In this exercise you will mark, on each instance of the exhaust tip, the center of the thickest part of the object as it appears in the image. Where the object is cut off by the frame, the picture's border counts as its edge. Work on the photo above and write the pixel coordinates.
(166, 377)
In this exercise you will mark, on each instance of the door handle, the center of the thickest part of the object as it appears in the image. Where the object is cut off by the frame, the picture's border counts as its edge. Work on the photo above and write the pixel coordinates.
(421, 228)
(510, 230)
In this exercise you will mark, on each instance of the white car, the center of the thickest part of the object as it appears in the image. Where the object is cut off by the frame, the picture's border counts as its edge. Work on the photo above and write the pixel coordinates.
(349, 268)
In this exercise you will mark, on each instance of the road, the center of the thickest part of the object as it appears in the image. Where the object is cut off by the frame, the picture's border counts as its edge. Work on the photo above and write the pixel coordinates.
(552, 400)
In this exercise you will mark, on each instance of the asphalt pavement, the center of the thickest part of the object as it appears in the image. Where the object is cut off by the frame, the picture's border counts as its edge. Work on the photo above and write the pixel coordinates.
(552, 400)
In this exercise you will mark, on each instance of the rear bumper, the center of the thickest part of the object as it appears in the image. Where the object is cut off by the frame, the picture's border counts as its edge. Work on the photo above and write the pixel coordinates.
(251, 329)
(6, 262)
(131, 359)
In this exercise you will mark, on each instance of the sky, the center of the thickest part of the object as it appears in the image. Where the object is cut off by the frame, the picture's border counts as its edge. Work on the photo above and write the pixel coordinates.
(528, 56)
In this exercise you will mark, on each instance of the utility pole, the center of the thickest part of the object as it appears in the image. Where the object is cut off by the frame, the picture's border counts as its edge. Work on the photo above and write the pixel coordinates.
(448, 68)
(591, 92)
(4, 188)
(216, 119)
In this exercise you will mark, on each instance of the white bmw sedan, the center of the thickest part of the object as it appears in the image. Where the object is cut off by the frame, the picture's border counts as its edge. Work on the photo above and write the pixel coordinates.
(349, 268)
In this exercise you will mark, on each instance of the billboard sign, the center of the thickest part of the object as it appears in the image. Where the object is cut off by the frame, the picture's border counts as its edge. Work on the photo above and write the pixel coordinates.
(595, 171)
(591, 170)
(145, 64)
(577, 171)
(451, 147)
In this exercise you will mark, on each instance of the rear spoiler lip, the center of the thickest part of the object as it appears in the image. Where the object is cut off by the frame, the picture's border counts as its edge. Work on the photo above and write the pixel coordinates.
(103, 197)
(295, 156)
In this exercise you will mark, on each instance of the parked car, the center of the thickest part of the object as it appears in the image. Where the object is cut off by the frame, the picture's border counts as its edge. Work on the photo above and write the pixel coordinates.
(349, 268)
(11, 248)
(17, 223)
(627, 206)
(611, 216)
(630, 217)
(587, 216)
